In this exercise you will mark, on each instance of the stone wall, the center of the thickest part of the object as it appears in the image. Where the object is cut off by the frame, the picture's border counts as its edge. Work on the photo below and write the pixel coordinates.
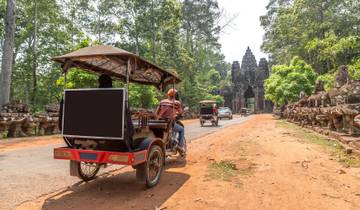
(335, 112)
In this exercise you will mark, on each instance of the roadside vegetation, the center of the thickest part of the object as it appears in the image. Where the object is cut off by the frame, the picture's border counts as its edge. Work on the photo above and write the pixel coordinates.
(323, 36)
(223, 170)
(228, 171)
(180, 36)
(333, 147)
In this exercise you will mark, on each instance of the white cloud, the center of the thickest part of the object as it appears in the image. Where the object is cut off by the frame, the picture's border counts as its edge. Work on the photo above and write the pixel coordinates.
(246, 30)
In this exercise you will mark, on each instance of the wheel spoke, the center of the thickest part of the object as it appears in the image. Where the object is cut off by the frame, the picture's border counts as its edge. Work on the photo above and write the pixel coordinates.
(154, 165)
(88, 169)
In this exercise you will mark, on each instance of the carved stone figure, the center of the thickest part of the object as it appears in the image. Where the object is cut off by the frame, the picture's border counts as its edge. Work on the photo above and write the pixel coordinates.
(337, 109)
(342, 76)
(16, 121)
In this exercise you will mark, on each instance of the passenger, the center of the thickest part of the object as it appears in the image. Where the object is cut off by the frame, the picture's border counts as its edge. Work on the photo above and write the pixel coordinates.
(170, 109)
(105, 81)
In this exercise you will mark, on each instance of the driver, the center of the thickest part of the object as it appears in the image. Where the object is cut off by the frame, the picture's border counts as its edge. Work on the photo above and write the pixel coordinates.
(169, 109)
(105, 81)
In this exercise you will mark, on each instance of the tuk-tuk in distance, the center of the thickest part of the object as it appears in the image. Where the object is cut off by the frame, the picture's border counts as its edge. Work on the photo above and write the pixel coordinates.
(97, 124)
(208, 112)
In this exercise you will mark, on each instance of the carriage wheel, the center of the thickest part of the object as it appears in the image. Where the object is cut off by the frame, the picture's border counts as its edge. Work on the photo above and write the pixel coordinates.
(87, 171)
(151, 170)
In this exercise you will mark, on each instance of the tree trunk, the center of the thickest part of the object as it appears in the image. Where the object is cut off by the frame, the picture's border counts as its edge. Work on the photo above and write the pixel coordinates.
(8, 52)
(153, 31)
(34, 52)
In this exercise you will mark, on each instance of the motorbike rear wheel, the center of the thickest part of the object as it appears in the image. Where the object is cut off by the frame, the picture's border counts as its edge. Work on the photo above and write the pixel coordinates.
(150, 172)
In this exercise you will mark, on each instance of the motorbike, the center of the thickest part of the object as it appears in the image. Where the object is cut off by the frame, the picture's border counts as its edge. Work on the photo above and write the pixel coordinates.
(172, 148)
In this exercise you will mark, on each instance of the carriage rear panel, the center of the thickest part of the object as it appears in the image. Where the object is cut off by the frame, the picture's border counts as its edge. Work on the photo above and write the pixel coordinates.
(94, 113)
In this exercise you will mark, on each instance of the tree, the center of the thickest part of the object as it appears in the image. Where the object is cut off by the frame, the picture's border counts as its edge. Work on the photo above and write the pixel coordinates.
(287, 81)
(354, 70)
(2, 16)
(154, 29)
(42, 32)
(8, 52)
(324, 33)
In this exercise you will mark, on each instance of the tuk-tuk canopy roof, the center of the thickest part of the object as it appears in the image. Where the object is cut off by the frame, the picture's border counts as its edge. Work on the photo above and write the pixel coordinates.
(207, 102)
(103, 59)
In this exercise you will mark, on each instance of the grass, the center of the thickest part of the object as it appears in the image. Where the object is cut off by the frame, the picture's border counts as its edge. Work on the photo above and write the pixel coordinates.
(225, 170)
(331, 146)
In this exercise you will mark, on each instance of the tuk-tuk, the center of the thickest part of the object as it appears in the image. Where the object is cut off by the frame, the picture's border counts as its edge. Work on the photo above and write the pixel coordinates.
(208, 112)
(98, 125)
(245, 111)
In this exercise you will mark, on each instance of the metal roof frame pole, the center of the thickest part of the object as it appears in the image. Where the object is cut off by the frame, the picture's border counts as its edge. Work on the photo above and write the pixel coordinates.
(127, 81)
(66, 67)
(65, 73)
(173, 87)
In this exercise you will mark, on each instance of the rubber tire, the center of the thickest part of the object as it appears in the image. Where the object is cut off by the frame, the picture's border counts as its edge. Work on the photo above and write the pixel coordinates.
(82, 176)
(142, 172)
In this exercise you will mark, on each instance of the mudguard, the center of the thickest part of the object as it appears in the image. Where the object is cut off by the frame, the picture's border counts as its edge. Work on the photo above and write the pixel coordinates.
(148, 142)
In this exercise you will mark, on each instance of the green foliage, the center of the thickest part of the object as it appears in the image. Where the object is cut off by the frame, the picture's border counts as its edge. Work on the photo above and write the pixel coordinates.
(76, 78)
(354, 70)
(328, 79)
(287, 81)
(177, 35)
(323, 33)
(42, 32)
(331, 48)
(141, 96)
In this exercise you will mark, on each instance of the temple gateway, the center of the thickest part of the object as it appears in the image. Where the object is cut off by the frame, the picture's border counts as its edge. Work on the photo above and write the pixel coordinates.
(247, 88)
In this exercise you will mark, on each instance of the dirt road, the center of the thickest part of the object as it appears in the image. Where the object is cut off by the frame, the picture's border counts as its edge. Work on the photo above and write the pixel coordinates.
(27, 169)
(259, 164)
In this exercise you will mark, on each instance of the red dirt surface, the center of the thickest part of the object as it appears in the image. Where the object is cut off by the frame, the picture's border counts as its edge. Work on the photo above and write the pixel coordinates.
(26, 142)
(274, 170)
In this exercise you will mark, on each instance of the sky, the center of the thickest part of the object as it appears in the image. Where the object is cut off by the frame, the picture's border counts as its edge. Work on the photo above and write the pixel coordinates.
(245, 30)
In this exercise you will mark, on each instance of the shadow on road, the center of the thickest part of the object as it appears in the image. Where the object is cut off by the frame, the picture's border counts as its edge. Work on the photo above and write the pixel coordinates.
(119, 191)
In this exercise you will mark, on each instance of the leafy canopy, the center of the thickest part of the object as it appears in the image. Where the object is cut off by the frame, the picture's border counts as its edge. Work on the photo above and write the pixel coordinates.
(287, 81)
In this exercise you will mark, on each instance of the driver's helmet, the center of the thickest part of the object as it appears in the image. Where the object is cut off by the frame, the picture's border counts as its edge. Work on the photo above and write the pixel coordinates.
(171, 92)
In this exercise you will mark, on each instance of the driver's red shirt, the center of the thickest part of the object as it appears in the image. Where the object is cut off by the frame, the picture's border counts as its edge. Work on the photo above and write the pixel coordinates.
(168, 109)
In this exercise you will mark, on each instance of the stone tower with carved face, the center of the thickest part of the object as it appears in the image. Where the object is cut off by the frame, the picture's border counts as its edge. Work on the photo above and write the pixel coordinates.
(247, 90)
